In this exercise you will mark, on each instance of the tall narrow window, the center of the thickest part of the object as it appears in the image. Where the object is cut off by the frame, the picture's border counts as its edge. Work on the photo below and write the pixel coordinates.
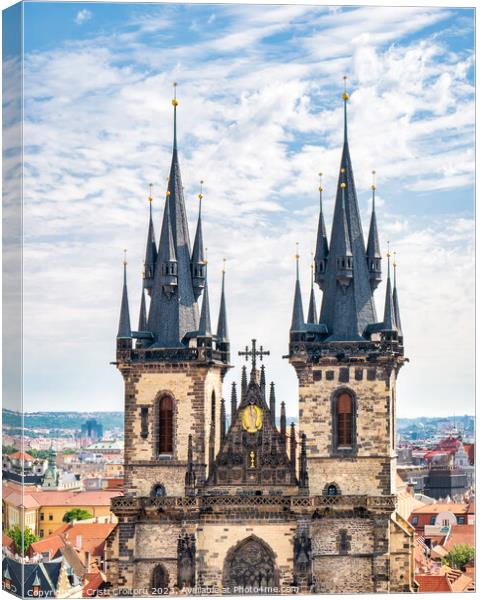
(344, 420)
(166, 425)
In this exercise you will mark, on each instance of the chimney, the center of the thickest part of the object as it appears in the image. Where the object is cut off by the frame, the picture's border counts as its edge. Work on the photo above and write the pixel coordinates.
(78, 542)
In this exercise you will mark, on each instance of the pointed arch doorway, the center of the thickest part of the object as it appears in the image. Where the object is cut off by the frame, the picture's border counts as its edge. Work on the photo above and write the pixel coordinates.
(250, 568)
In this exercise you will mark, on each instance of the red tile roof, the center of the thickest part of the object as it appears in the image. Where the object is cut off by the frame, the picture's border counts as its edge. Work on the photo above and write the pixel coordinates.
(93, 535)
(433, 583)
(22, 456)
(460, 534)
(92, 582)
(51, 543)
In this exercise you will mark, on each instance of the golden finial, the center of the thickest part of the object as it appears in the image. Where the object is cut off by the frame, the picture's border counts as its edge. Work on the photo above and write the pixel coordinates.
(175, 102)
(321, 189)
(223, 266)
(253, 458)
(125, 257)
(388, 254)
(205, 256)
(343, 185)
(345, 95)
(167, 193)
(394, 264)
(150, 192)
(373, 186)
(343, 170)
(297, 251)
(200, 196)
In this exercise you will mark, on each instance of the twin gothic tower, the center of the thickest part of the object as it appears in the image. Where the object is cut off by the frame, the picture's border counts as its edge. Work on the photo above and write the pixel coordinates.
(248, 506)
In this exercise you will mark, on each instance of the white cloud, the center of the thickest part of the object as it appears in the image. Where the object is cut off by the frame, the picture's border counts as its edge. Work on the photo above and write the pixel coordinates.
(83, 16)
(257, 128)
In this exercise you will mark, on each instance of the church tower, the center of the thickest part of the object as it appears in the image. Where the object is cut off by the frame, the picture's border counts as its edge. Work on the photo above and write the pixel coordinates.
(347, 364)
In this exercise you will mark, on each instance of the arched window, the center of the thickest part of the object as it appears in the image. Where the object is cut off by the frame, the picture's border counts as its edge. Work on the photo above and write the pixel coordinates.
(332, 490)
(344, 410)
(158, 491)
(166, 425)
(160, 581)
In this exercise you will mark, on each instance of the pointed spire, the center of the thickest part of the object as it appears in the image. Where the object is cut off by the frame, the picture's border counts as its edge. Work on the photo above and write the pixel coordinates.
(345, 97)
(283, 420)
(175, 104)
(303, 475)
(262, 382)
(293, 447)
(124, 321)
(167, 260)
(389, 322)
(347, 309)
(150, 250)
(173, 311)
(297, 323)
(373, 252)
(312, 313)
(322, 248)
(272, 403)
(198, 261)
(233, 401)
(190, 473)
(397, 313)
(205, 328)
(222, 331)
(243, 383)
(222, 420)
(143, 311)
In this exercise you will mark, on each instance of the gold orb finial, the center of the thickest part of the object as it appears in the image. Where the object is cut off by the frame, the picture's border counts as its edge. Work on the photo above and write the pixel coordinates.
(205, 256)
(175, 102)
(150, 192)
(343, 185)
(125, 257)
(297, 251)
(200, 194)
(373, 186)
(343, 170)
(388, 254)
(321, 189)
(224, 260)
(345, 95)
(394, 264)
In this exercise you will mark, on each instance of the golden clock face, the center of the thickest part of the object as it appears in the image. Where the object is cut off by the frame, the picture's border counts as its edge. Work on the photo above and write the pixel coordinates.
(252, 418)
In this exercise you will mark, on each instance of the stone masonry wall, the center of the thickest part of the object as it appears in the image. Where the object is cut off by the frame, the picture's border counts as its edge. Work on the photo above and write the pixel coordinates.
(191, 386)
(371, 468)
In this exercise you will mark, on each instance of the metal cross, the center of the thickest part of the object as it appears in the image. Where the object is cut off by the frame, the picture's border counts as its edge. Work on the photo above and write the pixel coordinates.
(254, 353)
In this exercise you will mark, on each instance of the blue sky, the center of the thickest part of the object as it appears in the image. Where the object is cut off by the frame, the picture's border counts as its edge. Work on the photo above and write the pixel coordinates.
(260, 115)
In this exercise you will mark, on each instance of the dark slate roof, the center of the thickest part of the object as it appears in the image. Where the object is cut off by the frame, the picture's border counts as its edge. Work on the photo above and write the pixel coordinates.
(322, 248)
(24, 576)
(205, 327)
(166, 244)
(124, 320)
(312, 313)
(297, 323)
(373, 249)
(397, 313)
(151, 247)
(170, 318)
(346, 313)
(389, 320)
(222, 331)
(198, 249)
(142, 313)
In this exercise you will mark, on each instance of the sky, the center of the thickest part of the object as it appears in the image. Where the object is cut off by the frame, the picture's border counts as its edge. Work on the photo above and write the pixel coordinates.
(260, 115)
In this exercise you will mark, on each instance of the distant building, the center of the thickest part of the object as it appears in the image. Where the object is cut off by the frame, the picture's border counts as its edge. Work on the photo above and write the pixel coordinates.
(91, 430)
(54, 479)
(23, 468)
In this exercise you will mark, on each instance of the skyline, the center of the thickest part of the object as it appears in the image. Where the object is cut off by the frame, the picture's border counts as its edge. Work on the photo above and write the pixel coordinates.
(258, 141)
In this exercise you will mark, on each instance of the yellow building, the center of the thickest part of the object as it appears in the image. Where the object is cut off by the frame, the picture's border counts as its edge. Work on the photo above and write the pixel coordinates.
(43, 511)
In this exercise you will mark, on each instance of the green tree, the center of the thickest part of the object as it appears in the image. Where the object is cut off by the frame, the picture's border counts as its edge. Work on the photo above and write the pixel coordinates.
(8, 450)
(76, 514)
(22, 542)
(459, 556)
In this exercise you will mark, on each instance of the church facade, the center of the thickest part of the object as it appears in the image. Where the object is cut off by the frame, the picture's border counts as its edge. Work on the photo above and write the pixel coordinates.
(251, 505)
